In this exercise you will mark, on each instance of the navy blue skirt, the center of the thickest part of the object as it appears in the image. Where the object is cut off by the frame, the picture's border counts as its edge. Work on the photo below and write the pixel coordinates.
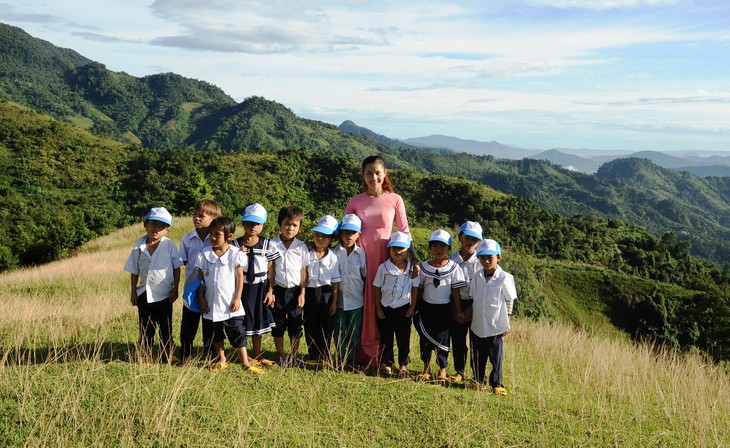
(258, 318)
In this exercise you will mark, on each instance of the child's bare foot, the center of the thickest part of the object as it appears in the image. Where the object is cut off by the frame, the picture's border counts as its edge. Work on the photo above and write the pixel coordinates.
(403, 372)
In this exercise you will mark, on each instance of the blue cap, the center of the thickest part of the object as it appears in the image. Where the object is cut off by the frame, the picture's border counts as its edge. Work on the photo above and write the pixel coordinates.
(255, 213)
(159, 214)
(442, 236)
(351, 222)
(472, 229)
(488, 247)
(399, 239)
(326, 225)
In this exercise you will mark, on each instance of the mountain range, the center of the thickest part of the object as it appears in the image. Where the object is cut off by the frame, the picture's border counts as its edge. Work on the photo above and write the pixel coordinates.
(167, 111)
(583, 160)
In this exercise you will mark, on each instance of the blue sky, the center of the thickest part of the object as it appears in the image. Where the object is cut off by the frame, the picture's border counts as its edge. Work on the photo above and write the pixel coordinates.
(602, 74)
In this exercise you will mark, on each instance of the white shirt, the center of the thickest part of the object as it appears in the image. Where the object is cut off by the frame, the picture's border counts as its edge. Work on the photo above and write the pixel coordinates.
(395, 285)
(449, 277)
(469, 268)
(288, 267)
(353, 269)
(155, 271)
(219, 277)
(493, 300)
(324, 271)
(190, 246)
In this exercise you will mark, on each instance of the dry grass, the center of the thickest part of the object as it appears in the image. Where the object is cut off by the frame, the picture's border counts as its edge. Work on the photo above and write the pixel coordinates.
(69, 376)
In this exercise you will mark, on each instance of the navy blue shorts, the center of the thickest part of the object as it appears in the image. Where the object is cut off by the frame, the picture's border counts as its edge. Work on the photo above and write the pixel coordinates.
(288, 317)
(233, 328)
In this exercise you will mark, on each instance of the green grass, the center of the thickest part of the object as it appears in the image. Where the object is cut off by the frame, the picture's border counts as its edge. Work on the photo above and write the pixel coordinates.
(69, 376)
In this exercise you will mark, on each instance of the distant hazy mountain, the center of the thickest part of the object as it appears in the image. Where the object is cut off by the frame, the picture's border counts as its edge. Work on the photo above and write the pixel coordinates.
(569, 161)
(495, 149)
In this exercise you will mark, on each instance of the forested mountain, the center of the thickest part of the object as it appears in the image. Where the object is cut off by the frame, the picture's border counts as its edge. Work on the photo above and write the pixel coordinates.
(167, 111)
(62, 186)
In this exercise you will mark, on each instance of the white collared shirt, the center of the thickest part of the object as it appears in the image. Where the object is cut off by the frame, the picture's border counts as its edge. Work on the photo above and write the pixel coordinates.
(353, 270)
(493, 299)
(219, 277)
(156, 271)
(449, 277)
(469, 268)
(288, 267)
(395, 285)
(323, 271)
(190, 246)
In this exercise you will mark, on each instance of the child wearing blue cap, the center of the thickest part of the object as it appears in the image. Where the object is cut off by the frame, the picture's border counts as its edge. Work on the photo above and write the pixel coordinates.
(320, 296)
(493, 291)
(440, 281)
(470, 233)
(396, 295)
(154, 265)
(353, 270)
(258, 289)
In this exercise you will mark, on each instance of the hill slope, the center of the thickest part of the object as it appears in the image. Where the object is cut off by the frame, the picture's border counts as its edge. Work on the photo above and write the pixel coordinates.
(69, 376)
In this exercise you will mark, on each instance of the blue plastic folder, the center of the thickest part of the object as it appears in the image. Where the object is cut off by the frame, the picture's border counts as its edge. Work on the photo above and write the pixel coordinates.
(190, 295)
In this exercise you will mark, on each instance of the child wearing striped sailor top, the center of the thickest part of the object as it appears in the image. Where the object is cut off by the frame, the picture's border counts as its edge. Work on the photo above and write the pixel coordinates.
(440, 281)
(258, 290)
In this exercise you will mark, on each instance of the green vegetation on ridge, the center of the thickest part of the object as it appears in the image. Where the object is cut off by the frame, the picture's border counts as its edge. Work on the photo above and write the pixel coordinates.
(64, 186)
(155, 111)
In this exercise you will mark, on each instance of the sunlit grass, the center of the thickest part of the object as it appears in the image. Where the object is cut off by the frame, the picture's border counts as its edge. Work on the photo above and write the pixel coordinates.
(69, 375)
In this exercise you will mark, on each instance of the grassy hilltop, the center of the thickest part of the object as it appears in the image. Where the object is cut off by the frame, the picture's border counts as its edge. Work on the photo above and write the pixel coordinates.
(69, 376)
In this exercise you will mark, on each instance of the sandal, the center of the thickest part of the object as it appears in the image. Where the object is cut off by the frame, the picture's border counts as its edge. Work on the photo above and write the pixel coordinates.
(386, 370)
(217, 367)
(266, 362)
(404, 373)
(255, 370)
(499, 390)
(423, 377)
(457, 377)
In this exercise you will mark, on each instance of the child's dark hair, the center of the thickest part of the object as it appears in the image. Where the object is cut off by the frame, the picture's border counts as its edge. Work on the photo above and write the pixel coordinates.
(209, 207)
(431, 243)
(290, 212)
(223, 223)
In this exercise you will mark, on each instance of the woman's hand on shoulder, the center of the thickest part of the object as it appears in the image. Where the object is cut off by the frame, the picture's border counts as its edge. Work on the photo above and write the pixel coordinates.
(415, 270)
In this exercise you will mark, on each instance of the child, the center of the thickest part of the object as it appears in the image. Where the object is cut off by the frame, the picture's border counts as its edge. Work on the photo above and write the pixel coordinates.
(470, 234)
(493, 291)
(258, 292)
(396, 293)
(440, 280)
(154, 265)
(320, 303)
(206, 210)
(290, 274)
(353, 269)
(221, 269)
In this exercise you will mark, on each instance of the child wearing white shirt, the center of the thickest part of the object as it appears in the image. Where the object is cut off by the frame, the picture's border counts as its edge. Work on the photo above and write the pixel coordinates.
(290, 276)
(221, 268)
(154, 265)
(205, 211)
(493, 291)
(353, 269)
(396, 295)
(320, 297)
